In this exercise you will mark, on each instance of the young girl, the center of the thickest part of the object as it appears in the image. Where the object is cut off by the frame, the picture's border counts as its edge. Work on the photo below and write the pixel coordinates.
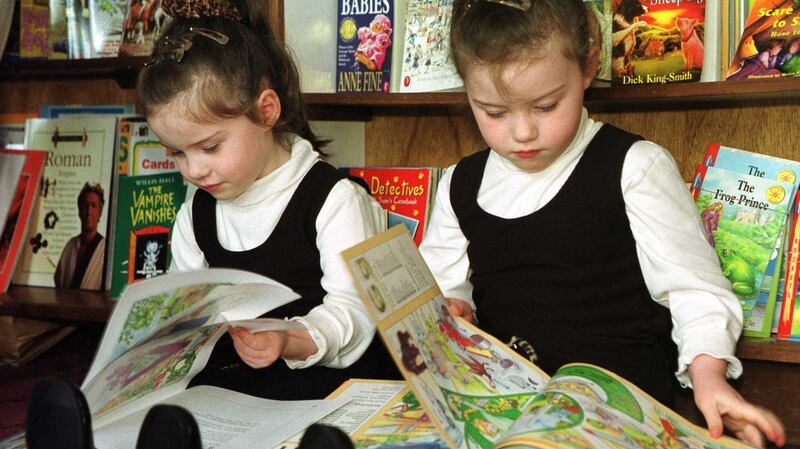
(574, 240)
(223, 94)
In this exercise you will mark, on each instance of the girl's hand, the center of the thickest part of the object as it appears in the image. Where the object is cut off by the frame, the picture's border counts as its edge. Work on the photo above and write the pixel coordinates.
(721, 404)
(459, 307)
(258, 350)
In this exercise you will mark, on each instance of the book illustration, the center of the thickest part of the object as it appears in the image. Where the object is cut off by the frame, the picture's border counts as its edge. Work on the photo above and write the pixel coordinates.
(769, 42)
(601, 9)
(479, 393)
(745, 218)
(427, 64)
(364, 47)
(657, 42)
(143, 21)
(71, 211)
(21, 171)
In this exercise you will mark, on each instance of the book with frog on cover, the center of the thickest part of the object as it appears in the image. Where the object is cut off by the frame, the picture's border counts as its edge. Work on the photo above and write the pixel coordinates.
(745, 219)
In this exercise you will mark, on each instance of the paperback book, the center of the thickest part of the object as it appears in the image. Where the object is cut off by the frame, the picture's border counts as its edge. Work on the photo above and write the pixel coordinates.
(20, 172)
(364, 46)
(784, 170)
(70, 219)
(745, 221)
(406, 193)
(146, 207)
(769, 44)
(33, 22)
(141, 26)
(478, 392)
(140, 151)
(427, 64)
(657, 42)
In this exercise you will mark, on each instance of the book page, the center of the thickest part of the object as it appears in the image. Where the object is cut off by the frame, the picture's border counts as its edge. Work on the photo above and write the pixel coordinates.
(587, 406)
(173, 302)
(363, 398)
(227, 419)
(472, 385)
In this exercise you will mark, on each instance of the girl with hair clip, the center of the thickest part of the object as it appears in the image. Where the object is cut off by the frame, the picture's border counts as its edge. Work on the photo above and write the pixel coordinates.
(574, 240)
(223, 94)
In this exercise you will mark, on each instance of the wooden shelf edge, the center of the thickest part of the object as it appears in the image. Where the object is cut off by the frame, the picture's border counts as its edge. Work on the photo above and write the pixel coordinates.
(56, 304)
(769, 349)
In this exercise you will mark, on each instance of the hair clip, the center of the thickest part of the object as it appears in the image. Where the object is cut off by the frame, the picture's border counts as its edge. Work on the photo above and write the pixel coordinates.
(177, 47)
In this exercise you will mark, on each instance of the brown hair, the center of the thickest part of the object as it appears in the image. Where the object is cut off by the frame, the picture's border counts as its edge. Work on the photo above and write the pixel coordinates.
(485, 32)
(213, 80)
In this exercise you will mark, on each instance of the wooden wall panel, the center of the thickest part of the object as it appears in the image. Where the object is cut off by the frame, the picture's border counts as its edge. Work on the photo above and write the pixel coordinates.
(24, 96)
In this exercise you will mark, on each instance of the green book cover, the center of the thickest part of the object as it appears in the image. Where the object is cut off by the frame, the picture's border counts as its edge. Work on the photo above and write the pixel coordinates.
(146, 210)
(745, 220)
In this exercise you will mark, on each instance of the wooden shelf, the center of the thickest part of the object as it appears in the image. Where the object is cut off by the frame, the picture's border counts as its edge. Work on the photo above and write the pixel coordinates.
(769, 349)
(56, 304)
(123, 70)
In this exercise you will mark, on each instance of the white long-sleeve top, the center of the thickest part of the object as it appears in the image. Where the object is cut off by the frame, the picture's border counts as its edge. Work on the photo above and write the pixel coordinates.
(341, 326)
(680, 268)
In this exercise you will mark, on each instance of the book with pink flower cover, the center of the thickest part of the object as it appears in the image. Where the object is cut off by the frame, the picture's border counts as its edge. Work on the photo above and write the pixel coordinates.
(365, 37)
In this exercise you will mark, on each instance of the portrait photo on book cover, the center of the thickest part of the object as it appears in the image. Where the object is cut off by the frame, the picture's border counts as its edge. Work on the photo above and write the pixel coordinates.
(81, 261)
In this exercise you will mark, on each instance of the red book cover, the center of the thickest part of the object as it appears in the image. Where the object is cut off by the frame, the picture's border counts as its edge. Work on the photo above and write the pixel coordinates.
(404, 192)
(17, 216)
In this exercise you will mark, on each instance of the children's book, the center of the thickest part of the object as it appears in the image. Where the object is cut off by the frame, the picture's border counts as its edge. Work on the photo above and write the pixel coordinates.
(364, 46)
(406, 193)
(144, 20)
(161, 333)
(141, 150)
(478, 392)
(657, 42)
(789, 313)
(33, 22)
(20, 172)
(12, 129)
(769, 44)
(310, 34)
(427, 64)
(80, 156)
(146, 207)
(745, 221)
(105, 26)
(602, 13)
(784, 170)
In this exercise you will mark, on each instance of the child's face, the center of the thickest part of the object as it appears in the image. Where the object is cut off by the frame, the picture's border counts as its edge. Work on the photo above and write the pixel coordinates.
(223, 157)
(534, 123)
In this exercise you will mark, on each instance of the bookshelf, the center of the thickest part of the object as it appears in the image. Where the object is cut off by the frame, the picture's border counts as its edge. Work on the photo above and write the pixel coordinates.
(437, 129)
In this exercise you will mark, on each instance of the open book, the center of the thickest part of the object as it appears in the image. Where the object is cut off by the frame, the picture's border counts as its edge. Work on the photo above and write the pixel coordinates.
(478, 392)
(161, 334)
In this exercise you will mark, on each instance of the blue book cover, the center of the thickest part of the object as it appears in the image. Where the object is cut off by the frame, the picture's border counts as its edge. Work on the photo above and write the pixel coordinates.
(745, 220)
(364, 46)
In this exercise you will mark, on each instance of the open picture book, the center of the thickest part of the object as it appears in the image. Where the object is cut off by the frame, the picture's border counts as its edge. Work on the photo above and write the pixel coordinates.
(478, 392)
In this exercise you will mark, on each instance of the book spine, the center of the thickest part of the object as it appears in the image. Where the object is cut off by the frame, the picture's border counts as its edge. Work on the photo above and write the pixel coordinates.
(790, 288)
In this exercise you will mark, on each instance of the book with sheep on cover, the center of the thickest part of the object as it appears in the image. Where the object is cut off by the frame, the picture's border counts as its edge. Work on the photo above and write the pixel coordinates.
(478, 392)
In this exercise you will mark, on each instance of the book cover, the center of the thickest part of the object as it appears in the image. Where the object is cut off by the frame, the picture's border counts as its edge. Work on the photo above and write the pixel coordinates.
(769, 45)
(480, 393)
(656, 42)
(47, 110)
(21, 171)
(602, 13)
(33, 22)
(405, 193)
(12, 129)
(364, 46)
(427, 64)
(143, 21)
(784, 170)
(146, 209)
(789, 314)
(105, 26)
(145, 153)
(57, 30)
(75, 31)
(66, 243)
(745, 220)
